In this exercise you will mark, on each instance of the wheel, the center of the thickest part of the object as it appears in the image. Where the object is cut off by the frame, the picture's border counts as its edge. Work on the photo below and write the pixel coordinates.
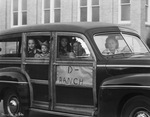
(12, 105)
(138, 106)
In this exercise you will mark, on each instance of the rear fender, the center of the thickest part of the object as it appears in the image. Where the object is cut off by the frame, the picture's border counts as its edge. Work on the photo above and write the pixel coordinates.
(15, 78)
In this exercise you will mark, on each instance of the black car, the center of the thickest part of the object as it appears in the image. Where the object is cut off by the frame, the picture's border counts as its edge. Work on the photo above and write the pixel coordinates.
(74, 69)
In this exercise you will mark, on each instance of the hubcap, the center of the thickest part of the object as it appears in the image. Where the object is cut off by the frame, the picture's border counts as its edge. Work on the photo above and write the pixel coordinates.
(13, 106)
(142, 114)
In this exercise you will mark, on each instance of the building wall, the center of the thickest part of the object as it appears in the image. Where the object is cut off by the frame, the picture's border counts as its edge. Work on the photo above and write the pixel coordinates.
(39, 12)
(69, 13)
(8, 14)
(106, 8)
(66, 11)
(32, 12)
(2, 15)
(138, 15)
(74, 11)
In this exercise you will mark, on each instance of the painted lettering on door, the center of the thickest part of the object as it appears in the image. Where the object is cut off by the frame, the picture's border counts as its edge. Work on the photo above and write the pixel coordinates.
(74, 75)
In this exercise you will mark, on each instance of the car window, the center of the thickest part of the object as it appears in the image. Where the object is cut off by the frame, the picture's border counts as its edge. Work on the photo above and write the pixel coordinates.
(37, 47)
(10, 47)
(110, 44)
(135, 44)
(72, 47)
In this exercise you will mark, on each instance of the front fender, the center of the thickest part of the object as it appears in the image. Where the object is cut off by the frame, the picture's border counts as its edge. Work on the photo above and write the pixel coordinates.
(116, 90)
(128, 80)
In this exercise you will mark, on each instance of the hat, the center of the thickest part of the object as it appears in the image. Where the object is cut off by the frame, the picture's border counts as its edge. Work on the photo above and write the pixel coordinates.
(43, 43)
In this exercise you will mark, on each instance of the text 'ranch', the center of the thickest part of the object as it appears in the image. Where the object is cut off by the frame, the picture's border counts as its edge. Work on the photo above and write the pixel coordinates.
(74, 75)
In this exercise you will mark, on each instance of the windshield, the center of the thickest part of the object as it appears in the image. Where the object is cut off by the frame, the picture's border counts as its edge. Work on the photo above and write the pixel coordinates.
(111, 44)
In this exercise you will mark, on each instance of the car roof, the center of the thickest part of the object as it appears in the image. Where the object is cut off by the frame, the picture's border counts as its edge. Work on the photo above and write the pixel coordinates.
(63, 27)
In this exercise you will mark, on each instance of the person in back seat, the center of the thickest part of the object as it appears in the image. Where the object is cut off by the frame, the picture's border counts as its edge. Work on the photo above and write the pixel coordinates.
(32, 48)
(78, 50)
(64, 46)
(44, 51)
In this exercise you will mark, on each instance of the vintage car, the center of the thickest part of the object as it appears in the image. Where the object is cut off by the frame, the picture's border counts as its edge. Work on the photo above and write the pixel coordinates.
(74, 69)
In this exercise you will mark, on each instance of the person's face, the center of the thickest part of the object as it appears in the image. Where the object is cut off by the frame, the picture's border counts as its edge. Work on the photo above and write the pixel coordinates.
(31, 44)
(64, 42)
(111, 45)
(44, 49)
(75, 46)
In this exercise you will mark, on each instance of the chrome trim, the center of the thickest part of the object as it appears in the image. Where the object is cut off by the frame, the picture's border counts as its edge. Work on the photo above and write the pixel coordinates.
(123, 86)
(13, 82)
(147, 66)
(101, 65)
(58, 113)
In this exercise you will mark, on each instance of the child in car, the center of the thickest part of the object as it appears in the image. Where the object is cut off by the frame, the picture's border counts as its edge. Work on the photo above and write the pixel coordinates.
(44, 51)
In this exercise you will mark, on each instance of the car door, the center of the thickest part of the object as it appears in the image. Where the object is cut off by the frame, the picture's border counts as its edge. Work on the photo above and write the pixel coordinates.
(74, 79)
(36, 64)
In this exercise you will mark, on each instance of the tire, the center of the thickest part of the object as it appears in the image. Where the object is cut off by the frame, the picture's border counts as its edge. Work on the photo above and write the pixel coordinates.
(138, 106)
(12, 105)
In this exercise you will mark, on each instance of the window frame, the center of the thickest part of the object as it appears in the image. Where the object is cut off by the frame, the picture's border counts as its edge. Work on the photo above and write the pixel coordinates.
(20, 14)
(120, 12)
(33, 59)
(147, 8)
(92, 56)
(9, 38)
(104, 34)
(95, 6)
(89, 7)
(52, 9)
(57, 8)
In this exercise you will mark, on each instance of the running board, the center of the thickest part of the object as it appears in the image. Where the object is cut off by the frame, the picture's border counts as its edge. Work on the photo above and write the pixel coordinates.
(58, 113)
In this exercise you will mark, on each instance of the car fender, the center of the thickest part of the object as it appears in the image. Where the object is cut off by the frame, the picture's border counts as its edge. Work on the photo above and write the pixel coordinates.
(116, 90)
(127, 80)
(15, 78)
